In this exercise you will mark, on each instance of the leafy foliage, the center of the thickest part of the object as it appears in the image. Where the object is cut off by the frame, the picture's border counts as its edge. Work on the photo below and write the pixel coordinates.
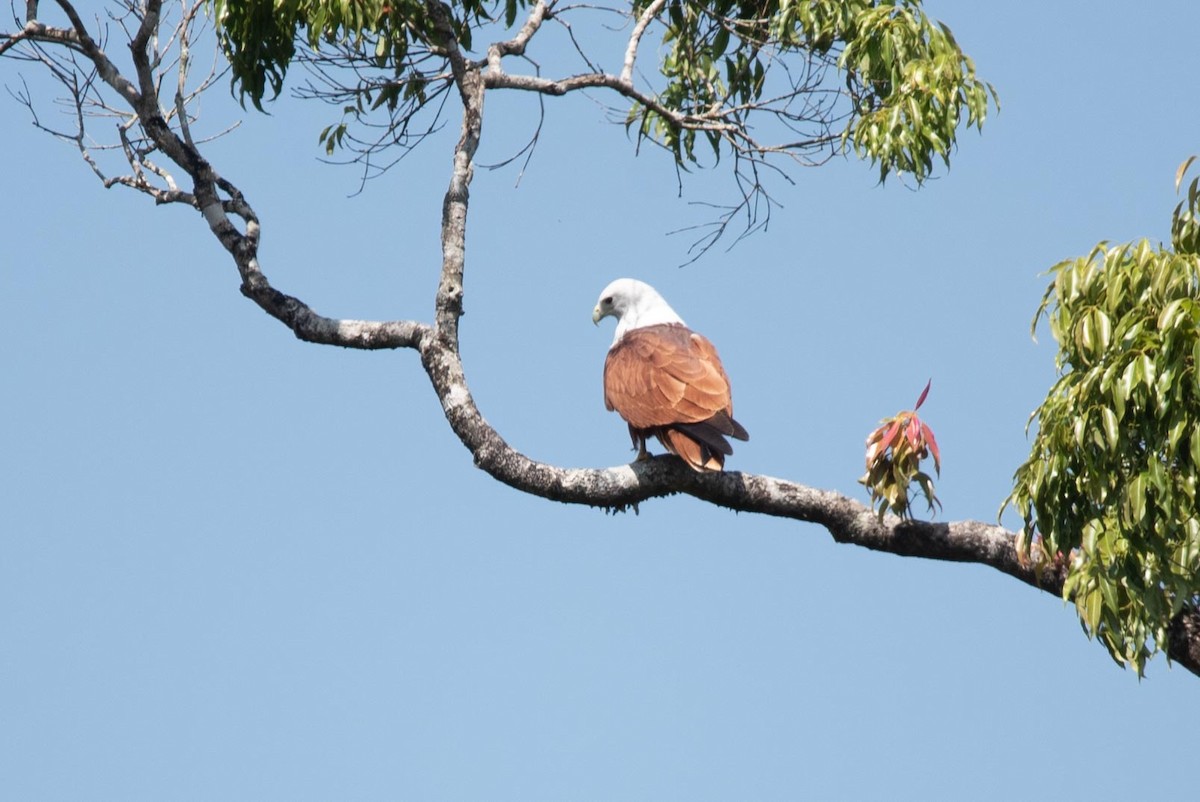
(905, 85)
(908, 82)
(259, 36)
(1112, 477)
(894, 453)
(1185, 223)
(914, 84)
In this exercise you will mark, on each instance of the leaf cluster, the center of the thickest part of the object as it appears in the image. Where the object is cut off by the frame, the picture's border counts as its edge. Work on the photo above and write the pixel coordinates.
(895, 450)
(1112, 477)
(259, 37)
(908, 83)
(912, 85)
(905, 84)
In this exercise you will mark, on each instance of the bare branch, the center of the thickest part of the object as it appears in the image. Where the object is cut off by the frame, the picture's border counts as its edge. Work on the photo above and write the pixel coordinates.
(547, 86)
(516, 45)
(635, 38)
(576, 44)
(184, 33)
(108, 71)
(529, 147)
(35, 31)
(212, 194)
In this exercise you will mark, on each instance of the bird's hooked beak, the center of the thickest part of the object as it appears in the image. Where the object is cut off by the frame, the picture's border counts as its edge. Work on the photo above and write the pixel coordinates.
(596, 315)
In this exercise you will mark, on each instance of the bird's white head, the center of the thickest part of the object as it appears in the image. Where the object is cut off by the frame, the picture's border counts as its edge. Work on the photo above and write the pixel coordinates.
(634, 304)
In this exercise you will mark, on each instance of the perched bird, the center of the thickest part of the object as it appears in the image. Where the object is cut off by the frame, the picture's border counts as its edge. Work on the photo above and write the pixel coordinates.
(664, 379)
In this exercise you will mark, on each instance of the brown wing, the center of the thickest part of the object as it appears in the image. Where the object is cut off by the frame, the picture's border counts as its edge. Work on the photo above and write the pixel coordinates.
(659, 375)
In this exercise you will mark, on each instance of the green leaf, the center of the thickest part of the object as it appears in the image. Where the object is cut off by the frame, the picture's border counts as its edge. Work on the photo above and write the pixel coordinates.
(1109, 421)
(1102, 327)
(1183, 168)
(720, 42)
(1090, 610)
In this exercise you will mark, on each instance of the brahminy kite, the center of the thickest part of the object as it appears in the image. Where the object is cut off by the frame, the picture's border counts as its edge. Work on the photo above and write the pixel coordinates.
(664, 379)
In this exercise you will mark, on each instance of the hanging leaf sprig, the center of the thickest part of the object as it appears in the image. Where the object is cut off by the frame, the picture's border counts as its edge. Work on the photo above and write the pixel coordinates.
(894, 454)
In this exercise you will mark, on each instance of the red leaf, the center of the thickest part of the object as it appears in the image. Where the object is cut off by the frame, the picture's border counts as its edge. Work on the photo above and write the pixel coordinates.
(924, 393)
(933, 447)
(889, 438)
(875, 436)
(913, 432)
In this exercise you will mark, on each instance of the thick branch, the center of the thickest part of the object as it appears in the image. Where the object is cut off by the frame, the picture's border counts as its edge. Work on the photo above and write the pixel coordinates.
(35, 31)
(847, 520)
(307, 325)
(1183, 639)
(449, 301)
(108, 71)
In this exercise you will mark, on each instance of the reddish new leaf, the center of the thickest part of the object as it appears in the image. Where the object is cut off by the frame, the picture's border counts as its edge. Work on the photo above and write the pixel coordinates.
(931, 442)
(924, 393)
(889, 438)
(913, 433)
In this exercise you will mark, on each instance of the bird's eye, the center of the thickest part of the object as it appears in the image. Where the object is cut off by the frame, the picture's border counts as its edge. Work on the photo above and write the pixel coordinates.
(607, 301)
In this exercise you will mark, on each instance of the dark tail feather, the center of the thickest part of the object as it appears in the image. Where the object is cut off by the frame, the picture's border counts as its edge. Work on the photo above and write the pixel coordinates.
(726, 425)
(703, 445)
(706, 435)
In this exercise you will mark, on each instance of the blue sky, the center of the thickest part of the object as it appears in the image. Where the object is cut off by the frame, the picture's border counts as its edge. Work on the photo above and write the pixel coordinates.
(238, 566)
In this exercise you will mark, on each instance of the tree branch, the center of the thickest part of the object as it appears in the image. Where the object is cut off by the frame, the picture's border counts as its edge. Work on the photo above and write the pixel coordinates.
(516, 45)
(448, 304)
(593, 80)
(729, 122)
(847, 520)
(208, 185)
(635, 38)
(108, 71)
(35, 31)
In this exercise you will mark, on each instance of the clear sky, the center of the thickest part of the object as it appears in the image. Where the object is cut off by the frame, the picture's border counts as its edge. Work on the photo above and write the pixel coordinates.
(237, 566)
